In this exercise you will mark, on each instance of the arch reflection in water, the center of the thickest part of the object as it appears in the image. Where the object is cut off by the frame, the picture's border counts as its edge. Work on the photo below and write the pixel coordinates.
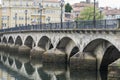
(7, 74)
(36, 70)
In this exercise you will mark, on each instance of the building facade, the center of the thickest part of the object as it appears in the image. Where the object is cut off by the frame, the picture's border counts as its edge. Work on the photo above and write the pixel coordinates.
(52, 11)
(16, 13)
(111, 13)
(0, 17)
(78, 7)
(27, 12)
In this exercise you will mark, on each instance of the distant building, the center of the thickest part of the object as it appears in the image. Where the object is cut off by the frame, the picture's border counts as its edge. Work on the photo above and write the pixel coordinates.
(0, 17)
(13, 13)
(78, 7)
(22, 12)
(68, 16)
(52, 11)
(111, 13)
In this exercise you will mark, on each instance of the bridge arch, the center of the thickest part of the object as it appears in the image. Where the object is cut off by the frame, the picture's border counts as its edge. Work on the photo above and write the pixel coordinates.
(45, 43)
(18, 41)
(111, 54)
(104, 51)
(68, 46)
(29, 68)
(92, 45)
(10, 40)
(4, 40)
(29, 42)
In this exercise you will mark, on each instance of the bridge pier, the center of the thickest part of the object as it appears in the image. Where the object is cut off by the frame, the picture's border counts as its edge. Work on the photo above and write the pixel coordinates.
(2, 46)
(36, 53)
(13, 48)
(54, 56)
(114, 69)
(24, 50)
(83, 61)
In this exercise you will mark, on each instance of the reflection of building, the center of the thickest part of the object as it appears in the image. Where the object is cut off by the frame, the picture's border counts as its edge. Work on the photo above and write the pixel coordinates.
(13, 12)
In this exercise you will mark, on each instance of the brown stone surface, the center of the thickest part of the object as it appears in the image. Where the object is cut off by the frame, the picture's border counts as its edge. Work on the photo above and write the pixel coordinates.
(55, 56)
(24, 50)
(86, 62)
(36, 53)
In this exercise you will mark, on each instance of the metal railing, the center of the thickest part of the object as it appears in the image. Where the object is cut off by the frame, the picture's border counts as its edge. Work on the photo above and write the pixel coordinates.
(100, 24)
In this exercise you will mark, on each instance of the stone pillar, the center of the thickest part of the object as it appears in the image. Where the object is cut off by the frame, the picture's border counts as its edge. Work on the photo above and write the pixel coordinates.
(83, 61)
(36, 53)
(114, 70)
(54, 56)
(24, 50)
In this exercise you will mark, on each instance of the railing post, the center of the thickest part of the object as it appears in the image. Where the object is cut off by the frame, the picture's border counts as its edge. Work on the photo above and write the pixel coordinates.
(105, 24)
(118, 23)
(76, 24)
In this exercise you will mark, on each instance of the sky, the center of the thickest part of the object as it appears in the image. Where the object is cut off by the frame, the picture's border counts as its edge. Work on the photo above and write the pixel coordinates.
(102, 3)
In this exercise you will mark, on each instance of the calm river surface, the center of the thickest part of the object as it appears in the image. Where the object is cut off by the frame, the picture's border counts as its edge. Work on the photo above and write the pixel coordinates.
(14, 67)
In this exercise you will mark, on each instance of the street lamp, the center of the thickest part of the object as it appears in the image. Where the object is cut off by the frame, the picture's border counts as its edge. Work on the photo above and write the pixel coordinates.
(2, 24)
(26, 17)
(61, 17)
(77, 21)
(77, 16)
(41, 8)
(48, 19)
(8, 21)
(94, 19)
(15, 19)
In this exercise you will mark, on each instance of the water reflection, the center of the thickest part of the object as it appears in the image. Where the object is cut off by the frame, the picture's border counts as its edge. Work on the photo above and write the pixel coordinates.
(19, 67)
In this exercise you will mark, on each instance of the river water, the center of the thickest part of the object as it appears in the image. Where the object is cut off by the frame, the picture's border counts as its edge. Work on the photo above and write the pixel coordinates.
(20, 67)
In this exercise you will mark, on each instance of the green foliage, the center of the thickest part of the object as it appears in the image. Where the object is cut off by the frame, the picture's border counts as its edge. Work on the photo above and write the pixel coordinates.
(88, 14)
(68, 7)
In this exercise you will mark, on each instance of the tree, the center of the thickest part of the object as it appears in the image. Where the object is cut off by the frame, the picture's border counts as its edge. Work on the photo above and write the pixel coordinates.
(88, 14)
(68, 7)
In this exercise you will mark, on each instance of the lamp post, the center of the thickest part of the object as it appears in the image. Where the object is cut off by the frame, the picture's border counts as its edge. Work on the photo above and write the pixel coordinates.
(8, 21)
(77, 21)
(26, 17)
(61, 17)
(2, 24)
(15, 19)
(77, 16)
(94, 19)
(41, 8)
(48, 19)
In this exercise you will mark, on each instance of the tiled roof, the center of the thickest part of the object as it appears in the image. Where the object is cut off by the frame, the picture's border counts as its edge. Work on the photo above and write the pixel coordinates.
(50, 1)
(112, 12)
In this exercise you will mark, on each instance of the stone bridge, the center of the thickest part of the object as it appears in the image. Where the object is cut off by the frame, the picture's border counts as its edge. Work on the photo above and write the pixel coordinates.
(92, 47)
(98, 45)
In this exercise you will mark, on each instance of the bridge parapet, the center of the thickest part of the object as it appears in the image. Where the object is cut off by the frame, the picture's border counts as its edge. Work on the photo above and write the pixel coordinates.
(76, 25)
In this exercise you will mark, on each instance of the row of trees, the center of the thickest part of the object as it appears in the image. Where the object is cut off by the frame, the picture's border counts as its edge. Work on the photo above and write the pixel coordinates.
(86, 14)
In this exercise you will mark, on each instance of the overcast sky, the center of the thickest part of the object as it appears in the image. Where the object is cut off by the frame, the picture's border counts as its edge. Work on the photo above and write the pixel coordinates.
(102, 3)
